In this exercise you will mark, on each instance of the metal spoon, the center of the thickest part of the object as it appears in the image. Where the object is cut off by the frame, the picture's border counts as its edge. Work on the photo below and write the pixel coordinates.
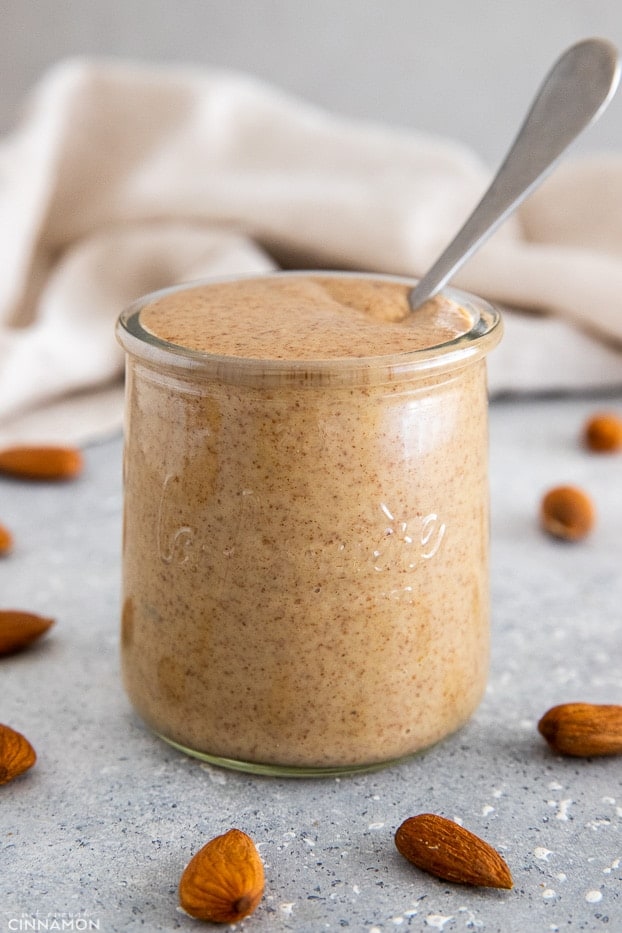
(573, 95)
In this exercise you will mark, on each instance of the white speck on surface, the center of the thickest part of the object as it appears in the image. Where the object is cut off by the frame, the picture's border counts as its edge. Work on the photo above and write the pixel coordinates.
(610, 800)
(541, 853)
(290, 834)
(618, 811)
(356, 889)
(562, 813)
(375, 826)
(561, 876)
(549, 894)
(555, 785)
(287, 908)
(497, 792)
(458, 820)
(397, 921)
(471, 922)
(565, 675)
(596, 824)
(310, 842)
(593, 897)
(487, 809)
(216, 775)
(437, 921)
(526, 724)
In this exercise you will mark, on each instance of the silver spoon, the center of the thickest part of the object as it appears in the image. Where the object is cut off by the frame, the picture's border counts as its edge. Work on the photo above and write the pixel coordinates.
(573, 95)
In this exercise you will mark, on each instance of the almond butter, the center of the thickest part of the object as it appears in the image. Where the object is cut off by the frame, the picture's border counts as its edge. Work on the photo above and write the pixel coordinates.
(602, 433)
(19, 629)
(567, 512)
(583, 729)
(224, 881)
(6, 541)
(16, 754)
(41, 463)
(448, 851)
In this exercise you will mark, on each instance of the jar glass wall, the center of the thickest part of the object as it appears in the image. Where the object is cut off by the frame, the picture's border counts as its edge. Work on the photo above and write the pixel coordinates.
(305, 550)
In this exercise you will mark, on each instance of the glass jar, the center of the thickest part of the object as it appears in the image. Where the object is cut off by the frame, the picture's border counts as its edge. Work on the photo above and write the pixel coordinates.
(305, 552)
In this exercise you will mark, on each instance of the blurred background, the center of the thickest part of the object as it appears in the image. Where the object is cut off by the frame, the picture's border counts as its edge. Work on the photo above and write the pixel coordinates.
(465, 69)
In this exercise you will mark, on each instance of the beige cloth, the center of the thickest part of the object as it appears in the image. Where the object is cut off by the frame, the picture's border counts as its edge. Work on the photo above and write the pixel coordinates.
(121, 179)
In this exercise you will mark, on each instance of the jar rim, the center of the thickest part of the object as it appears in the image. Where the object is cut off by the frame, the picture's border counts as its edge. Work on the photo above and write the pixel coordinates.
(483, 334)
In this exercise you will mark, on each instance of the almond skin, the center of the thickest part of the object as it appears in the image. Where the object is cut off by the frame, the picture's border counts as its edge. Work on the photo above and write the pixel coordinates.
(16, 754)
(447, 850)
(41, 463)
(583, 729)
(567, 512)
(603, 433)
(224, 881)
(6, 541)
(19, 629)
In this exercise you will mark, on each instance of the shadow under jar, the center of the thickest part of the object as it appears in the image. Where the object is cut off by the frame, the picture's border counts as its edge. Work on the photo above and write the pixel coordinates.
(305, 552)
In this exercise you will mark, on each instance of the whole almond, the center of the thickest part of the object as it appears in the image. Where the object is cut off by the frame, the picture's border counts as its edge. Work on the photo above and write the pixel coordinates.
(602, 433)
(19, 629)
(447, 850)
(224, 881)
(583, 729)
(41, 463)
(6, 541)
(567, 512)
(16, 754)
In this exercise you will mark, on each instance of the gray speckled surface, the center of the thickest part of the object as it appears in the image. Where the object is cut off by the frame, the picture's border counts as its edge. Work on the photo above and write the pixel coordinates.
(97, 834)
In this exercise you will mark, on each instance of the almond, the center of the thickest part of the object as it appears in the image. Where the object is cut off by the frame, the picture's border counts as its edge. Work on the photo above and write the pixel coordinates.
(224, 881)
(16, 754)
(567, 512)
(583, 729)
(447, 850)
(43, 463)
(602, 433)
(6, 541)
(18, 629)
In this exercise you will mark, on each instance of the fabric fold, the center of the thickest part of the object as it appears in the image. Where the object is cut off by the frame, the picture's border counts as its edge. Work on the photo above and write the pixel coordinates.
(123, 178)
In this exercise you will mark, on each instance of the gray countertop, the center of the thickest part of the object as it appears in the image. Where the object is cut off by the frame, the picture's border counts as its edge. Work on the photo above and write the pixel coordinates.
(97, 834)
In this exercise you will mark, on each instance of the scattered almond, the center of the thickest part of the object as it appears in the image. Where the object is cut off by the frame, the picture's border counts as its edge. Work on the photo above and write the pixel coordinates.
(447, 850)
(19, 629)
(42, 463)
(6, 541)
(603, 433)
(224, 881)
(567, 512)
(583, 729)
(16, 754)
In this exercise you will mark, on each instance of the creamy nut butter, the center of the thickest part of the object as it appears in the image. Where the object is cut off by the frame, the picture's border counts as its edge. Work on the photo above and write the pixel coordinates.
(306, 518)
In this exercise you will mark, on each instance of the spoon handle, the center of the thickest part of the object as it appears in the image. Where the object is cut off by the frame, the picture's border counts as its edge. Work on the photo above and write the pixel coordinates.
(574, 94)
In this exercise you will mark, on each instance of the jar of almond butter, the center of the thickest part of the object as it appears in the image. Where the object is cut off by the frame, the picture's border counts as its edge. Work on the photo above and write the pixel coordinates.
(305, 556)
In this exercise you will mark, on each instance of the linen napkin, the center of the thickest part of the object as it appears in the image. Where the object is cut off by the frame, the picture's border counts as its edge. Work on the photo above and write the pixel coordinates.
(122, 178)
